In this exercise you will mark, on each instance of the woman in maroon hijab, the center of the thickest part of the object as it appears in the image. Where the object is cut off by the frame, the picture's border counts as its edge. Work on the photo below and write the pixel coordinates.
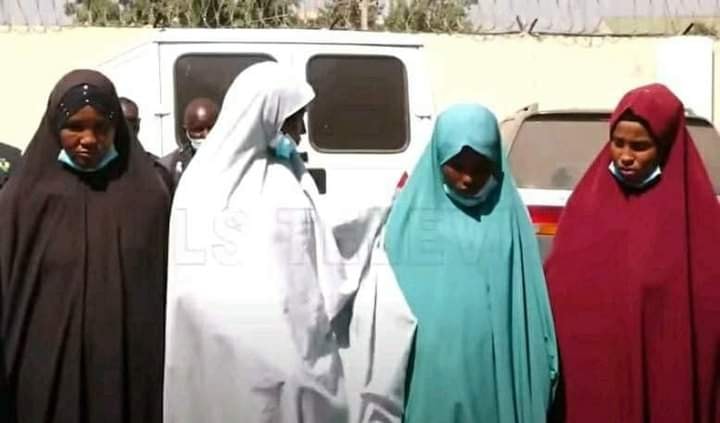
(82, 266)
(634, 275)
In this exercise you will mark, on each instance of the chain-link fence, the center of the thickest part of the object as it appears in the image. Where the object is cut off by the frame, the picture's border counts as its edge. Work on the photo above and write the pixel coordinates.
(576, 17)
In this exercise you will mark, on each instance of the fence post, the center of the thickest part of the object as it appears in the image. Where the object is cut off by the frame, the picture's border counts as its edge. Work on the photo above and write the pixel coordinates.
(364, 15)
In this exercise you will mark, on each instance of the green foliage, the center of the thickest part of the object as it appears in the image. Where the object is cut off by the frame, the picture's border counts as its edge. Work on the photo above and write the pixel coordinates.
(346, 14)
(404, 16)
(428, 16)
(187, 13)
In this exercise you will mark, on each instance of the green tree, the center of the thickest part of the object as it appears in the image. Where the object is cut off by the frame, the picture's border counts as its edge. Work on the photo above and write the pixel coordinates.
(428, 16)
(187, 13)
(346, 14)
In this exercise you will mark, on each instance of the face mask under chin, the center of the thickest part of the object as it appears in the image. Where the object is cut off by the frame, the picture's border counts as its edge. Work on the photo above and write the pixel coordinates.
(476, 199)
(283, 146)
(66, 159)
(649, 179)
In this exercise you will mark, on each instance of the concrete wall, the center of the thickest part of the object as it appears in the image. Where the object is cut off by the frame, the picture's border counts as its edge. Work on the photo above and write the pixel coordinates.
(32, 62)
(503, 72)
(507, 73)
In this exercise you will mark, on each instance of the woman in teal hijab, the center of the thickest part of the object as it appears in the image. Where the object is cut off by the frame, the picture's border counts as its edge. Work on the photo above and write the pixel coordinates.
(466, 258)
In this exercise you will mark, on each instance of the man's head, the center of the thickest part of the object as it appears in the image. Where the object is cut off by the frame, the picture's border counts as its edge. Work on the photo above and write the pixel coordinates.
(132, 114)
(199, 118)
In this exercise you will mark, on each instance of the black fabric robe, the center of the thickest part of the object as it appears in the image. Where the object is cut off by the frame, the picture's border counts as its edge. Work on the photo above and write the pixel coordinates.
(82, 278)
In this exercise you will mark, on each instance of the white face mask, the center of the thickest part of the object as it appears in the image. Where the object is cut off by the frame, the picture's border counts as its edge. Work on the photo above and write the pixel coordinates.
(477, 198)
(195, 142)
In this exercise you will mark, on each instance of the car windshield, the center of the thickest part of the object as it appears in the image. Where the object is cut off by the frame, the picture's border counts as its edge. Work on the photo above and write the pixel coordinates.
(552, 151)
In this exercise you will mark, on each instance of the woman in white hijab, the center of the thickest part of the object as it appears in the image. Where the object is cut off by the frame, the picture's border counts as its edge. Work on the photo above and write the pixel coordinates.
(257, 286)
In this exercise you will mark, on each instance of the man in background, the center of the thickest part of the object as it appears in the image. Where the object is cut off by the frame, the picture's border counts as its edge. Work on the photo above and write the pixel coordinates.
(199, 118)
(131, 111)
(132, 114)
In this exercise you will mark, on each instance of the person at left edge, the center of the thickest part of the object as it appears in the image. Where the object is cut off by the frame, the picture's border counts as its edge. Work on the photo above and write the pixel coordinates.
(9, 160)
(83, 265)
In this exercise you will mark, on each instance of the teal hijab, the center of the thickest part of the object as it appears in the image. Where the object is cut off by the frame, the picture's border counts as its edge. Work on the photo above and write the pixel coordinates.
(485, 348)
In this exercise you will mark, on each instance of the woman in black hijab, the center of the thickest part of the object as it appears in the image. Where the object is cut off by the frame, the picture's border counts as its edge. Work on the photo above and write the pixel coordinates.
(83, 266)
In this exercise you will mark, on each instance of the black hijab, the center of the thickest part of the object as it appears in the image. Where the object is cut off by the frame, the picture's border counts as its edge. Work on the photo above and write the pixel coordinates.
(82, 275)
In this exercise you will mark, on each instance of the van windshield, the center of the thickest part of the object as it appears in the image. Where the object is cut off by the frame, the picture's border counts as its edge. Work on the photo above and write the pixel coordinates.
(553, 151)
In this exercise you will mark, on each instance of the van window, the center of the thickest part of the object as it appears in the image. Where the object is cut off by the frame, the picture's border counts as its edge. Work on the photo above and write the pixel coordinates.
(553, 151)
(207, 75)
(361, 104)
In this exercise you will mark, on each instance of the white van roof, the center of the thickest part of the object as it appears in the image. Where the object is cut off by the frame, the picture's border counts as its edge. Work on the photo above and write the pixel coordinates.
(286, 36)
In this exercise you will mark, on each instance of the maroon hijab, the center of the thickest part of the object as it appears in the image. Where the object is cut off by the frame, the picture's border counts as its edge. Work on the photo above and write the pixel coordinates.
(82, 277)
(634, 280)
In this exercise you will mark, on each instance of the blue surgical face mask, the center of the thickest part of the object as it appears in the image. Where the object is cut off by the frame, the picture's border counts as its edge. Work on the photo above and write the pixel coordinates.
(284, 147)
(652, 176)
(65, 158)
(476, 199)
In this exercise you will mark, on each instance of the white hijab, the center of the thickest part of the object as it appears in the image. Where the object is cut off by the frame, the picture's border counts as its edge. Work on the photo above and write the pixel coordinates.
(255, 280)
(256, 105)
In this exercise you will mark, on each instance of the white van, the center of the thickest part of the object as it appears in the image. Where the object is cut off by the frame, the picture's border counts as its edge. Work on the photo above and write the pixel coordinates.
(370, 121)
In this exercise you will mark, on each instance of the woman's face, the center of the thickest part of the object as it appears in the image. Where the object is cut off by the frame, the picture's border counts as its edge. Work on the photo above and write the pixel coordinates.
(633, 150)
(87, 136)
(294, 126)
(467, 172)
